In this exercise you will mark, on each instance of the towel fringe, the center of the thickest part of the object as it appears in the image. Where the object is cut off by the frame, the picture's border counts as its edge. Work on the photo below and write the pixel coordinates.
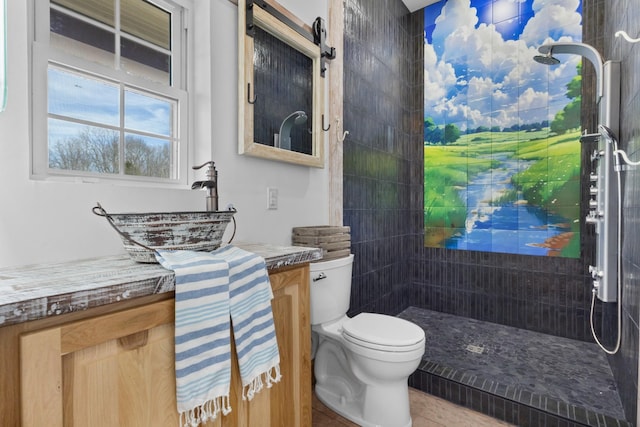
(226, 406)
(271, 376)
(208, 411)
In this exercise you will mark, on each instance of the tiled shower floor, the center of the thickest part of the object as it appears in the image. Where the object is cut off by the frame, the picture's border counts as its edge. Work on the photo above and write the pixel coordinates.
(570, 371)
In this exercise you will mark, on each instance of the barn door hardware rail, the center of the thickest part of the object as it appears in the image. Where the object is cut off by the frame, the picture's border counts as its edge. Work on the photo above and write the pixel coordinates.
(316, 34)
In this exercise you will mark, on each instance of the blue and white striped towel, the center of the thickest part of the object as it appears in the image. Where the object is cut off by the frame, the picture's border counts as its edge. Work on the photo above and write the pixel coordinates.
(212, 289)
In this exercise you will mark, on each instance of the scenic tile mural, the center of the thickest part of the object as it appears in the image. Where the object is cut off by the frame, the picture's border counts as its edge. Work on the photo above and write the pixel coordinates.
(501, 132)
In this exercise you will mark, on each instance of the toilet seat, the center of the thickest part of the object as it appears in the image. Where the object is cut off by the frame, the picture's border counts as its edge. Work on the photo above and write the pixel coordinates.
(383, 333)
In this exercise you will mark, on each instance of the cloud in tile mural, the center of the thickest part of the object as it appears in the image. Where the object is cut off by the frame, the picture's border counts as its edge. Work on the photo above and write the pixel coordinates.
(501, 132)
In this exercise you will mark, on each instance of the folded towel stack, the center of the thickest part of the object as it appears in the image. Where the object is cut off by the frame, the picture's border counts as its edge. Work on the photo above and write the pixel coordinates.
(214, 290)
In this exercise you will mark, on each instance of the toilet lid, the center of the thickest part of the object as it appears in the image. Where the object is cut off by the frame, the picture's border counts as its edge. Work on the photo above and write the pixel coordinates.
(382, 330)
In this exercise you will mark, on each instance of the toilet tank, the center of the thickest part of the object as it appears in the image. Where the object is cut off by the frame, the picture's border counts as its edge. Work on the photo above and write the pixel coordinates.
(330, 289)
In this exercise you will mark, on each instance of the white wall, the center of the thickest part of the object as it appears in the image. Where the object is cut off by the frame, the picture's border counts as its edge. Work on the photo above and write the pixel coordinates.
(48, 221)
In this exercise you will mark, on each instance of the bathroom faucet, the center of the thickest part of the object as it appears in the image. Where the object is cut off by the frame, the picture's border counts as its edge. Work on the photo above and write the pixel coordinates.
(211, 184)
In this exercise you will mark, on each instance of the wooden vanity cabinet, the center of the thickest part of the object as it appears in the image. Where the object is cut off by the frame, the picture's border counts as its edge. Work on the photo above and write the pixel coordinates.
(117, 368)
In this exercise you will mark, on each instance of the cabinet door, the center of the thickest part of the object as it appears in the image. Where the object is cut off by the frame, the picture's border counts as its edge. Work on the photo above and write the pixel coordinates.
(287, 403)
(112, 370)
(118, 369)
(291, 398)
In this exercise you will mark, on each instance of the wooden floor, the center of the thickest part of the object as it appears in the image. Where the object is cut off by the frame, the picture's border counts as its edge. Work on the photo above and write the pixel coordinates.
(426, 411)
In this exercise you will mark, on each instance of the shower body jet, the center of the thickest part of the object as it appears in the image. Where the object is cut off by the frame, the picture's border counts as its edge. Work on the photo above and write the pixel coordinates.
(603, 204)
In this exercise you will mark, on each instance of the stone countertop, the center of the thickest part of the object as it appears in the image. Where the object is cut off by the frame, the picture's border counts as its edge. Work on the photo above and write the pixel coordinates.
(37, 291)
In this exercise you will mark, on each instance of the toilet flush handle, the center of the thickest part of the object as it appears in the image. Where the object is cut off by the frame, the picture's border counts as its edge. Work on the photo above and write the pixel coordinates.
(319, 277)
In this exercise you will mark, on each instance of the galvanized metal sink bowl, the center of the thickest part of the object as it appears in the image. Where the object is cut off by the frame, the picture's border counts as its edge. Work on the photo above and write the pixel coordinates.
(143, 233)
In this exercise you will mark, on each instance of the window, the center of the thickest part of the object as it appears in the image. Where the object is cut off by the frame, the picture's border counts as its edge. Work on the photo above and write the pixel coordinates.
(109, 90)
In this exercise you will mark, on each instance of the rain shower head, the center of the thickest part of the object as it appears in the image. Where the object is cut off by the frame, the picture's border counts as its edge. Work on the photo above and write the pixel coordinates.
(547, 59)
(580, 49)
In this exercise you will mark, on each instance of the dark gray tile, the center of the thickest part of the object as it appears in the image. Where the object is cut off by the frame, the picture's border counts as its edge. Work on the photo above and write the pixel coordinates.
(555, 375)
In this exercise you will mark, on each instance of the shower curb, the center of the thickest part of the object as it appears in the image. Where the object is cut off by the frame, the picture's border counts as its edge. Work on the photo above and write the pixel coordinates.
(507, 403)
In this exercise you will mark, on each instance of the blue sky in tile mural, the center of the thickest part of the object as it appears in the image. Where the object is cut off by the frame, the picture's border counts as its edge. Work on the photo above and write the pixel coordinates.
(501, 135)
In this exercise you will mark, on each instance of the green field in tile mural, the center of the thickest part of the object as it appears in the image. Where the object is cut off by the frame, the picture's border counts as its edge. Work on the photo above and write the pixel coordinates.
(501, 132)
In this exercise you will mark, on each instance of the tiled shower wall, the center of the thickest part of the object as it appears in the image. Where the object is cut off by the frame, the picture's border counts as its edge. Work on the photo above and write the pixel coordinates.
(383, 199)
(383, 195)
(382, 153)
(544, 294)
(623, 15)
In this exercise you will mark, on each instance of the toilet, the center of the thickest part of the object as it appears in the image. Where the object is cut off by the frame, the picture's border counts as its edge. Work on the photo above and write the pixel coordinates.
(361, 363)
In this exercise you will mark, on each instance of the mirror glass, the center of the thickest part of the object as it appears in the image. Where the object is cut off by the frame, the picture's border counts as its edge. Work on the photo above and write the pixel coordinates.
(282, 72)
(281, 94)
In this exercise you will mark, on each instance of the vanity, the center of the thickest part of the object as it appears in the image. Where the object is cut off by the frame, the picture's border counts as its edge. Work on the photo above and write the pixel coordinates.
(91, 343)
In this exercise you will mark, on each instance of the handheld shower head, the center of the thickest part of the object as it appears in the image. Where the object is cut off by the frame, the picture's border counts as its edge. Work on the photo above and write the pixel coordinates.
(610, 137)
(607, 133)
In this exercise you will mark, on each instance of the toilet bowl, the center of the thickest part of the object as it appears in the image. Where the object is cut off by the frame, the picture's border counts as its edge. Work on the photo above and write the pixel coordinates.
(362, 363)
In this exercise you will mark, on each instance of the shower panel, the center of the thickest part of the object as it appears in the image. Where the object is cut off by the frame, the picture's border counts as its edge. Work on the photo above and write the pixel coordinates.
(603, 202)
(604, 190)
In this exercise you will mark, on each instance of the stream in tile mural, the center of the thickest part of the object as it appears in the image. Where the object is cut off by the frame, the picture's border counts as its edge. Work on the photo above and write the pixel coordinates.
(501, 132)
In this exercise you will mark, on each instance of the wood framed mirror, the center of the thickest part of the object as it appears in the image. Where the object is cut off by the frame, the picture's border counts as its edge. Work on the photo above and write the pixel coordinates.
(280, 90)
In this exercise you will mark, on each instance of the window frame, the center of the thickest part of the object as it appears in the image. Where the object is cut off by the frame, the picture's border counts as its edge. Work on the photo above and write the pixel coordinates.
(43, 55)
